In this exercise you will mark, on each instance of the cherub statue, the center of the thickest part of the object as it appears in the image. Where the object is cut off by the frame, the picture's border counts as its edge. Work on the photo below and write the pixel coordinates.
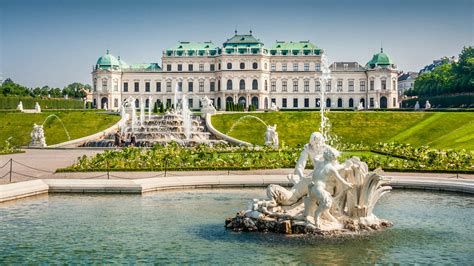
(271, 136)
(37, 136)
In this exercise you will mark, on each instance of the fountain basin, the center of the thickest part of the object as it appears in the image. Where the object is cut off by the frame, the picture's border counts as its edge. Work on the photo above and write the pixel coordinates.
(186, 227)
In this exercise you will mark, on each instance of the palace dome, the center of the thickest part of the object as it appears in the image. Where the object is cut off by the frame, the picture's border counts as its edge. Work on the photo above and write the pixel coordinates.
(108, 61)
(380, 59)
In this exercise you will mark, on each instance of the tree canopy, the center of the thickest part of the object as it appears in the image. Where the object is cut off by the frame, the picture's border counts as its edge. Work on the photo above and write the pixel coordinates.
(73, 90)
(448, 78)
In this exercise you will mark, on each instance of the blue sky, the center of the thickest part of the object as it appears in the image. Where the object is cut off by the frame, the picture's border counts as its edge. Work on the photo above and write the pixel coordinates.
(56, 42)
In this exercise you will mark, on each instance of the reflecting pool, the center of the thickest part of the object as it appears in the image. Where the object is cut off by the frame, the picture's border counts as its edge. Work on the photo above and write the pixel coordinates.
(188, 227)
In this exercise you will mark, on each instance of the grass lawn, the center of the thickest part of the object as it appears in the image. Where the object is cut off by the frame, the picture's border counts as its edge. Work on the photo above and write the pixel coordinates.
(78, 124)
(439, 130)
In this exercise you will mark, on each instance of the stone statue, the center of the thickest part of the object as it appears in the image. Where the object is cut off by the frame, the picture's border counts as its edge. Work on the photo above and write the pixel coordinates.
(19, 107)
(37, 108)
(207, 107)
(360, 106)
(376, 105)
(271, 137)
(319, 194)
(37, 137)
(105, 106)
(417, 106)
(427, 104)
(334, 198)
(274, 107)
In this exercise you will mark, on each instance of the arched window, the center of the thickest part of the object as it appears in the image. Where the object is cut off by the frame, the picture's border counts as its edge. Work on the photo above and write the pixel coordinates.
(243, 101)
(242, 84)
(219, 85)
(351, 102)
(254, 84)
(242, 65)
(254, 65)
(328, 103)
(229, 84)
(219, 103)
(383, 102)
(229, 99)
(229, 65)
(339, 102)
(266, 85)
(137, 103)
(362, 100)
(147, 103)
(158, 103)
(255, 102)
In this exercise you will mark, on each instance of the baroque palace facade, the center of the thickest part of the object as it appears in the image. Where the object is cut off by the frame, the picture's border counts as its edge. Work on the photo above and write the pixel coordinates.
(244, 71)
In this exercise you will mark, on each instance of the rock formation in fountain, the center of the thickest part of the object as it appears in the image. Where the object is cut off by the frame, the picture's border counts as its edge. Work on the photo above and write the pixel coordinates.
(37, 137)
(334, 199)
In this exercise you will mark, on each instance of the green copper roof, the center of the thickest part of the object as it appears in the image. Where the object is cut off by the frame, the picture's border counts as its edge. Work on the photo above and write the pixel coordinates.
(194, 46)
(380, 59)
(108, 61)
(301, 45)
(143, 67)
(243, 40)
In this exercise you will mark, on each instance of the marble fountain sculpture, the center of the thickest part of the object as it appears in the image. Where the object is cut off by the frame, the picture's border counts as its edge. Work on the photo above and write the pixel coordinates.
(271, 137)
(177, 125)
(37, 137)
(334, 199)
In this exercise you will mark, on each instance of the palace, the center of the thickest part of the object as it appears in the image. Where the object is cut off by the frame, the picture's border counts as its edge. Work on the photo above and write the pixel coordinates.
(245, 71)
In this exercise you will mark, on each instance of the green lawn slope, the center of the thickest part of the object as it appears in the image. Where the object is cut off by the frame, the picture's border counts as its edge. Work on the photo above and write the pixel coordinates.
(439, 130)
(18, 126)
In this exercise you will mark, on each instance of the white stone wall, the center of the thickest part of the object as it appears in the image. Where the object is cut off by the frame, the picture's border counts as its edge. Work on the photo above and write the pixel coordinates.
(262, 74)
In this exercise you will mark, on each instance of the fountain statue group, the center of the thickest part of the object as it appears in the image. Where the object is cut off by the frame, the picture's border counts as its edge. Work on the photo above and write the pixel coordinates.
(271, 137)
(334, 199)
(37, 137)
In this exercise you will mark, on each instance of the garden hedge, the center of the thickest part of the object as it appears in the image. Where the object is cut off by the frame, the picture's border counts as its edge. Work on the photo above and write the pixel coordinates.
(10, 103)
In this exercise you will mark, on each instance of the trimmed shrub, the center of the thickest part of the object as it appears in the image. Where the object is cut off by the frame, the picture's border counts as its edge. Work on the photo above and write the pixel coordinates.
(29, 103)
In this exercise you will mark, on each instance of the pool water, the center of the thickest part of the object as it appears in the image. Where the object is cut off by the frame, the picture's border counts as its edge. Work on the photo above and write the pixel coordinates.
(188, 227)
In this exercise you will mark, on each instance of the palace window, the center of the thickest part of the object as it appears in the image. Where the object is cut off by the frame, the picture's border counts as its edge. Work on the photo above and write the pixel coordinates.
(125, 87)
(95, 85)
(339, 85)
(394, 102)
(306, 102)
(242, 65)
(147, 86)
(191, 67)
(254, 84)
(339, 102)
(318, 67)
(351, 85)
(218, 85)
(254, 65)
(394, 86)
(190, 103)
(180, 67)
(168, 67)
(384, 84)
(283, 67)
(284, 102)
(104, 85)
(362, 85)
(190, 86)
(295, 102)
(242, 84)
(351, 102)
(212, 86)
(213, 67)
(295, 66)
(306, 67)
(328, 85)
(371, 102)
(137, 87)
(201, 67)
(266, 85)
(317, 102)
(306, 85)
(295, 85)
(273, 67)
(229, 85)
(115, 85)
(274, 100)
(273, 86)
(371, 85)
(201, 86)
(180, 86)
(158, 87)
(229, 65)
(317, 85)
(168, 86)
(115, 102)
(284, 86)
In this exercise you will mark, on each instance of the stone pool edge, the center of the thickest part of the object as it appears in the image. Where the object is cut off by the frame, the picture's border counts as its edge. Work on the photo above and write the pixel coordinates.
(25, 189)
